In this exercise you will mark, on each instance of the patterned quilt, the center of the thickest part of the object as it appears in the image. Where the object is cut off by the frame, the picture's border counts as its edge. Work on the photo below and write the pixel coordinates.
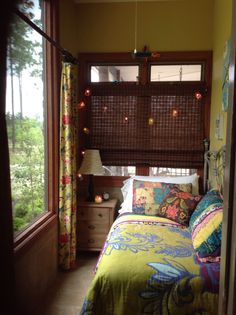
(148, 266)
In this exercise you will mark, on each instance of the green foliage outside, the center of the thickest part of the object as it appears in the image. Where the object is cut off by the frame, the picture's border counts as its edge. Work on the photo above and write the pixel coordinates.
(25, 134)
(27, 169)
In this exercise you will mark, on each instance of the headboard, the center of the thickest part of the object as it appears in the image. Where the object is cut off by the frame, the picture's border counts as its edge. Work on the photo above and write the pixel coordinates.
(214, 164)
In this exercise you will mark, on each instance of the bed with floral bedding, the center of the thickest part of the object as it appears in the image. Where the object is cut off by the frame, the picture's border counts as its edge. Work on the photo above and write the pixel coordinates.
(160, 263)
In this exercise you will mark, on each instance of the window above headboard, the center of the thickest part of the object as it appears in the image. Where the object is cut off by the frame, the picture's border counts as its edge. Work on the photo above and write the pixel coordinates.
(136, 120)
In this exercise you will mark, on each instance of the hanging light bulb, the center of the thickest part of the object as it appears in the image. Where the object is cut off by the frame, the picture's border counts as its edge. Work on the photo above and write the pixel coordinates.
(82, 152)
(104, 108)
(126, 118)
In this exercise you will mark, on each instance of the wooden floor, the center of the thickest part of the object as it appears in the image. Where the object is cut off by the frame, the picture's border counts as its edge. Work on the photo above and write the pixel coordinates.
(67, 294)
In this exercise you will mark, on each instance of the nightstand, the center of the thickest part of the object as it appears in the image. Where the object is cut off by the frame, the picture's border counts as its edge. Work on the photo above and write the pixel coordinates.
(94, 222)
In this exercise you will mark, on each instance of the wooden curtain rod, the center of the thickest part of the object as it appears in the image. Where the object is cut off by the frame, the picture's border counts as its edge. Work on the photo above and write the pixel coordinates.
(68, 57)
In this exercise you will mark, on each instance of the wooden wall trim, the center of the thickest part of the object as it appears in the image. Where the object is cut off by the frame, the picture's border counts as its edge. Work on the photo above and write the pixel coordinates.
(27, 240)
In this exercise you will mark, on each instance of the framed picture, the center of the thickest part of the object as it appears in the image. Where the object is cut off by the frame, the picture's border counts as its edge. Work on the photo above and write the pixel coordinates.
(225, 79)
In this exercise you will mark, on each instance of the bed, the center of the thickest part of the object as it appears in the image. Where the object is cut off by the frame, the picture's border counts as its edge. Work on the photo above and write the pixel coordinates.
(154, 262)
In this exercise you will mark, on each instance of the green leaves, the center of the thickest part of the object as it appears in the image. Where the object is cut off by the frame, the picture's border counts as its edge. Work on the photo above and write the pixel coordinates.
(27, 170)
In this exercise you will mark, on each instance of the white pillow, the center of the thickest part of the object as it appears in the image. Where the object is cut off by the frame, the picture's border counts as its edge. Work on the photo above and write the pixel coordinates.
(127, 188)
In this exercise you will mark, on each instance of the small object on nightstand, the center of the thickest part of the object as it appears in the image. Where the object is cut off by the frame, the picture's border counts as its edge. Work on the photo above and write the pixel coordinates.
(105, 196)
(98, 199)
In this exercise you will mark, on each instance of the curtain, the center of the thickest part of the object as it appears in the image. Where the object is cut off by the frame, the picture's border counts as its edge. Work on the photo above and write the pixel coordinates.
(6, 231)
(67, 186)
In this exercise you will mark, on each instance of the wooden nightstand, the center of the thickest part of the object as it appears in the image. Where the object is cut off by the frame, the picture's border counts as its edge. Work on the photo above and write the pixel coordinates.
(94, 222)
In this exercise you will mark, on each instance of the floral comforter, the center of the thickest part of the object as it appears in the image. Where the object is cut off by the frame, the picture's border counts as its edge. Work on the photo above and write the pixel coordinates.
(148, 266)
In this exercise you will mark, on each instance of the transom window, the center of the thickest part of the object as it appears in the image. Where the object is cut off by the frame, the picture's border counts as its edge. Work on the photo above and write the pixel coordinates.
(114, 73)
(170, 73)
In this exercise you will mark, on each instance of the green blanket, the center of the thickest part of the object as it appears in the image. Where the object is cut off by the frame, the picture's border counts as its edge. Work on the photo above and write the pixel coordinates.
(148, 266)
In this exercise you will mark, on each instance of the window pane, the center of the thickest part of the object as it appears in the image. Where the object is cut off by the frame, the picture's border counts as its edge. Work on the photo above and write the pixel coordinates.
(26, 118)
(176, 73)
(167, 171)
(119, 170)
(114, 73)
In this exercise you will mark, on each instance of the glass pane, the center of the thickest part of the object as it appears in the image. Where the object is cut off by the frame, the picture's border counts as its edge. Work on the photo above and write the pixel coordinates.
(114, 73)
(26, 118)
(176, 73)
(119, 170)
(167, 171)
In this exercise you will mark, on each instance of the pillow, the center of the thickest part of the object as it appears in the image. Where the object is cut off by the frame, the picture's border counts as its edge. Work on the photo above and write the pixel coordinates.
(178, 206)
(147, 196)
(206, 227)
(127, 189)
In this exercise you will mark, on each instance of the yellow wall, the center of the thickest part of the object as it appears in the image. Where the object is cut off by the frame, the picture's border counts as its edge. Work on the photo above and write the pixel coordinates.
(221, 32)
(68, 26)
(163, 26)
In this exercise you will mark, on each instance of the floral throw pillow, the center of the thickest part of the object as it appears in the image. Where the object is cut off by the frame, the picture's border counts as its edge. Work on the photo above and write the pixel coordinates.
(147, 196)
(178, 206)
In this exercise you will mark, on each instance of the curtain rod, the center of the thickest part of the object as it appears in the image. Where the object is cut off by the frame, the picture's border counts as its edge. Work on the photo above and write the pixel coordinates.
(66, 55)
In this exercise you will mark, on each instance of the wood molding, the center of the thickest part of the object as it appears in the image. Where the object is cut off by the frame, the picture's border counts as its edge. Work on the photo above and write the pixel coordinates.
(27, 238)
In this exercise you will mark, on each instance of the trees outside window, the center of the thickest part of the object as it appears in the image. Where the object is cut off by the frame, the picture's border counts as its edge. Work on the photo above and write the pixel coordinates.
(29, 114)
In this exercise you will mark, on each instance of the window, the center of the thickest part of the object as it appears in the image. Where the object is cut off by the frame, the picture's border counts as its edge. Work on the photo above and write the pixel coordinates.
(171, 73)
(167, 171)
(158, 122)
(114, 73)
(29, 119)
(119, 170)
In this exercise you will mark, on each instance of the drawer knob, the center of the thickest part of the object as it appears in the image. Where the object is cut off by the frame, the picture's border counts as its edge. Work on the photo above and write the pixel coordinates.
(91, 227)
(91, 240)
(100, 215)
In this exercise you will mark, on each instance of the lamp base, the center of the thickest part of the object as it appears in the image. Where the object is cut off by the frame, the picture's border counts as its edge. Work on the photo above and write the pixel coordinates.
(91, 196)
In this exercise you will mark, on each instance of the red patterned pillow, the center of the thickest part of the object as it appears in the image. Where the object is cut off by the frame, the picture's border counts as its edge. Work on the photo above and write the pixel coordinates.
(178, 206)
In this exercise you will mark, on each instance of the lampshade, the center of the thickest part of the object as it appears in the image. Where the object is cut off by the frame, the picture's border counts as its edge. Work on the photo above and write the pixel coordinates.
(91, 164)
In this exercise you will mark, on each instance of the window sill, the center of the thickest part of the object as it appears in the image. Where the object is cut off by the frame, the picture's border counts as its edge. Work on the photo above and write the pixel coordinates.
(27, 238)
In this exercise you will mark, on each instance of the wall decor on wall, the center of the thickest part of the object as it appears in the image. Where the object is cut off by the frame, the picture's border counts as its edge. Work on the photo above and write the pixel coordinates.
(225, 79)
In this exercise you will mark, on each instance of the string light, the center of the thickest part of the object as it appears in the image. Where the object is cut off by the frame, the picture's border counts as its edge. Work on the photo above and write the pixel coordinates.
(150, 121)
(126, 118)
(80, 177)
(87, 92)
(81, 105)
(86, 130)
(82, 152)
(198, 95)
(174, 112)
(104, 108)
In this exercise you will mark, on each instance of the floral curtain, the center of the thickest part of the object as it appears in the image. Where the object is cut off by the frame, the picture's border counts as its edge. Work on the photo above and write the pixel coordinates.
(67, 187)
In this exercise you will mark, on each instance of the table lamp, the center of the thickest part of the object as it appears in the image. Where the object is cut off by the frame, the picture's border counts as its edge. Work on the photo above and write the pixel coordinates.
(91, 165)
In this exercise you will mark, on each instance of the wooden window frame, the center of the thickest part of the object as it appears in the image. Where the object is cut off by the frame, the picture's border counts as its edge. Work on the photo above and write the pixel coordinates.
(27, 237)
(88, 59)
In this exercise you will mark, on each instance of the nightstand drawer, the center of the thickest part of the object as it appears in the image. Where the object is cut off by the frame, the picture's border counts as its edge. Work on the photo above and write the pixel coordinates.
(95, 241)
(94, 222)
(91, 228)
(94, 214)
